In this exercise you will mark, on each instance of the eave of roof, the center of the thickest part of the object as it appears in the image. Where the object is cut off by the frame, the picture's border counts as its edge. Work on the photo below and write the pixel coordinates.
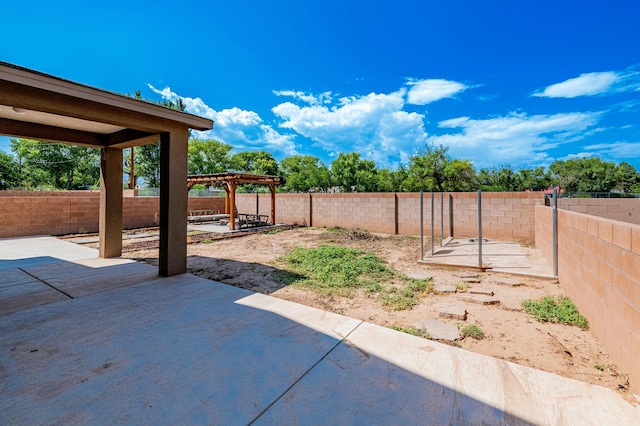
(14, 76)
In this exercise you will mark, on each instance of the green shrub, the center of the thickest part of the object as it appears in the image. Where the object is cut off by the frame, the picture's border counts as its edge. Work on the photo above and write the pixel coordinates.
(559, 310)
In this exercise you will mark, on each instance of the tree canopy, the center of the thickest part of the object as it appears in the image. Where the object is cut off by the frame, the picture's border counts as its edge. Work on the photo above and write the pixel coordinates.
(41, 165)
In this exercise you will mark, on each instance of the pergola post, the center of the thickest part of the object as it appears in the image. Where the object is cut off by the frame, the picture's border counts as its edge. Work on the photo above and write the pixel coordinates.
(272, 189)
(110, 220)
(232, 206)
(227, 203)
(173, 202)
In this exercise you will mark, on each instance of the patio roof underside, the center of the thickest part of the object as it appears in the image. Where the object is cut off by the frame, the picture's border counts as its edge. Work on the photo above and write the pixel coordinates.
(39, 106)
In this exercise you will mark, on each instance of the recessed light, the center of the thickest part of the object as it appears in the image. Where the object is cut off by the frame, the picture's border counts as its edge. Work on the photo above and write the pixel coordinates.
(19, 110)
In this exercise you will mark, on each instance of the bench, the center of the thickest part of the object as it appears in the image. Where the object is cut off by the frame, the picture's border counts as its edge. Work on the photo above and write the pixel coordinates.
(204, 215)
(251, 220)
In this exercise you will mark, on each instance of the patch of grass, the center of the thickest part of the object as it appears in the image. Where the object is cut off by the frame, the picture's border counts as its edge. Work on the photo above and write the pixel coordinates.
(412, 331)
(351, 234)
(275, 231)
(559, 310)
(207, 241)
(600, 367)
(287, 277)
(400, 299)
(462, 286)
(341, 271)
(337, 270)
(472, 331)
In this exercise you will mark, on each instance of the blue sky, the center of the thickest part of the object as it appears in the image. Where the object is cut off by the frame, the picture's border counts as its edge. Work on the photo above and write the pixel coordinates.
(498, 82)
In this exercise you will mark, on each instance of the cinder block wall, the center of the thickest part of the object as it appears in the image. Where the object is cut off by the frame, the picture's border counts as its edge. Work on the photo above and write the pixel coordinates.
(506, 215)
(24, 213)
(599, 269)
(622, 209)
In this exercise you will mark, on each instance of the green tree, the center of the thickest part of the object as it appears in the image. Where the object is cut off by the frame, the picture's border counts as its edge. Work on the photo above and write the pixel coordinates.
(255, 162)
(392, 180)
(627, 178)
(533, 179)
(147, 164)
(9, 172)
(496, 179)
(353, 174)
(589, 174)
(427, 169)
(304, 173)
(61, 166)
(459, 176)
(208, 156)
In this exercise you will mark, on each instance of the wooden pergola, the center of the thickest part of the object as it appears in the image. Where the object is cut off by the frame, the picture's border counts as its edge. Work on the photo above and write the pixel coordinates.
(230, 181)
(40, 106)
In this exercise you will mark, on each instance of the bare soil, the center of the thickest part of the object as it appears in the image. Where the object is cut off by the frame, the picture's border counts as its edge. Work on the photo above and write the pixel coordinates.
(510, 333)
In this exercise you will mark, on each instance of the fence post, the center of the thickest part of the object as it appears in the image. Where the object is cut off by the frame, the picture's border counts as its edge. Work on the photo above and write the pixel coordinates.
(432, 223)
(480, 228)
(555, 231)
(421, 227)
(441, 218)
(395, 219)
(450, 216)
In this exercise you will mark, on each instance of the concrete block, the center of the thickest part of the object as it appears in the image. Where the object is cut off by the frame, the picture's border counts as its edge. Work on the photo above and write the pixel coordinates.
(438, 330)
(444, 288)
(468, 275)
(451, 311)
(480, 291)
(480, 299)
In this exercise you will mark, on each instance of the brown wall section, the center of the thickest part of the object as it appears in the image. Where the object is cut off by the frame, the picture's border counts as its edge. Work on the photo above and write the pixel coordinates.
(25, 213)
(599, 269)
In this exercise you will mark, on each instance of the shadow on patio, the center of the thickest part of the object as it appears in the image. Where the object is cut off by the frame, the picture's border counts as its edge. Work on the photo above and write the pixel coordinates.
(189, 350)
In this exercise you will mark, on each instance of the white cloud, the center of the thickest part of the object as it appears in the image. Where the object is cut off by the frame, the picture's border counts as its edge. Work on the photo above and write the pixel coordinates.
(373, 125)
(242, 129)
(589, 84)
(310, 98)
(423, 92)
(616, 150)
(516, 138)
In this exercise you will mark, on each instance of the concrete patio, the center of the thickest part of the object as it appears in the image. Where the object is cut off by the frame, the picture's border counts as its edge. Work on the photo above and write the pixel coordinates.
(498, 256)
(92, 341)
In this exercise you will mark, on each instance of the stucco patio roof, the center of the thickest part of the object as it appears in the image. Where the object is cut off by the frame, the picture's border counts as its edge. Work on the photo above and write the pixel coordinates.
(40, 106)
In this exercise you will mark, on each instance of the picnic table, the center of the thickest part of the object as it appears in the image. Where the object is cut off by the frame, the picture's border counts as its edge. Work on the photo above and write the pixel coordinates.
(205, 215)
(250, 220)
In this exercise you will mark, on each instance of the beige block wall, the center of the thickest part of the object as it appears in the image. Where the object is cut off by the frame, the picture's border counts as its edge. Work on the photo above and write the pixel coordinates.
(599, 269)
(622, 209)
(24, 213)
(506, 216)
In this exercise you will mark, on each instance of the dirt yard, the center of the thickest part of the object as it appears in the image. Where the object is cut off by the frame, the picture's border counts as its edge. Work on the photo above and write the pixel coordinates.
(510, 333)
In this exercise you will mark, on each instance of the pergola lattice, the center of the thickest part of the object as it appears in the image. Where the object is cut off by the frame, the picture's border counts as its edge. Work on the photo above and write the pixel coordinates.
(230, 181)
